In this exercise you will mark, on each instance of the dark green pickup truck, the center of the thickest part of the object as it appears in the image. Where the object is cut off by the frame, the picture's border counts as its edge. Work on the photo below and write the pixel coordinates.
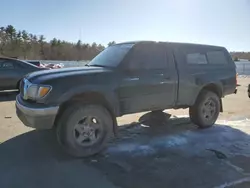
(82, 103)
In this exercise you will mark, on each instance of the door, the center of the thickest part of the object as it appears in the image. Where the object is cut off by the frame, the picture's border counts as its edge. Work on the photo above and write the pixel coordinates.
(10, 73)
(147, 81)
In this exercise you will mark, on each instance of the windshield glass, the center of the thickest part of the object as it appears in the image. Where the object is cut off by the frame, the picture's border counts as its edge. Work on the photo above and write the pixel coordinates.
(111, 56)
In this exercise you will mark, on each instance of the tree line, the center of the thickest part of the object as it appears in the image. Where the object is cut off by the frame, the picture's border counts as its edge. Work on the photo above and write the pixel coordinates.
(23, 45)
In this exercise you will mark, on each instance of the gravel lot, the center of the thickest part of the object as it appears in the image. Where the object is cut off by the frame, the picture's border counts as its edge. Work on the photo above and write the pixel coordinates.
(174, 154)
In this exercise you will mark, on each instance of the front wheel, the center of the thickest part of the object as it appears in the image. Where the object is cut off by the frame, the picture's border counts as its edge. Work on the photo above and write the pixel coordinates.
(206, 109)
(83, 130)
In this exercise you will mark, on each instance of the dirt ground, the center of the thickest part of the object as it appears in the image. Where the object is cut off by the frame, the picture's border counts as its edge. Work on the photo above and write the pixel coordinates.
(175, 154)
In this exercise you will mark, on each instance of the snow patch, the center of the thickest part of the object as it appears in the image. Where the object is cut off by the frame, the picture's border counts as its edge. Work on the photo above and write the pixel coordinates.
(187, 139)
(132, 148)
(243, 76)
(241, 123)
(169, 141)
(150, 148)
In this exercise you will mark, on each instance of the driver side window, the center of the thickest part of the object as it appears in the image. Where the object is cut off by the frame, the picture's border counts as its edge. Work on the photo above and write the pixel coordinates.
(148, 56)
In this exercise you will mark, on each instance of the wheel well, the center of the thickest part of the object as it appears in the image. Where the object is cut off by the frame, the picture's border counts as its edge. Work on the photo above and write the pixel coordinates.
(89, 98)
(214, 88)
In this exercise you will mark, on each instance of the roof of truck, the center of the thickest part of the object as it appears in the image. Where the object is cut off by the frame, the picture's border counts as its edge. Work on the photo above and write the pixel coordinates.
(171, 43)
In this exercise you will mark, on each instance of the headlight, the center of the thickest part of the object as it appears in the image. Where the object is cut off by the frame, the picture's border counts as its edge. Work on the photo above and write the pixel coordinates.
(37, 92)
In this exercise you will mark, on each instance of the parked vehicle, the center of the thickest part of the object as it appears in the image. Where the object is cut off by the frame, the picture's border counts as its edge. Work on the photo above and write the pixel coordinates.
(54, 66)
(48, 65)
(58, 66)
(82, 103)
(12, 71)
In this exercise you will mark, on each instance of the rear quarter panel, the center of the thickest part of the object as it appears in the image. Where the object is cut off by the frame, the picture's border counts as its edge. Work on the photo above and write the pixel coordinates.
(194, 77)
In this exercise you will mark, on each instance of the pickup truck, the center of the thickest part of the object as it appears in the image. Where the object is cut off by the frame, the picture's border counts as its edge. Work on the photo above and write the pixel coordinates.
(82, 104)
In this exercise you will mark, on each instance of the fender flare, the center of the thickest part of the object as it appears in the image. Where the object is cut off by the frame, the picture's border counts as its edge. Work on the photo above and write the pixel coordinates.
(218, 86)
(107, 93)
(109, 96)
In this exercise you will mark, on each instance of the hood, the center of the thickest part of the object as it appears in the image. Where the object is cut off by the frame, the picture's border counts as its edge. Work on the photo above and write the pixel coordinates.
(43, 75)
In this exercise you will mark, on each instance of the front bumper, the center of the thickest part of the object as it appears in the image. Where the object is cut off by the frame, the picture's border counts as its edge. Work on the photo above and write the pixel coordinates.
(36, 115)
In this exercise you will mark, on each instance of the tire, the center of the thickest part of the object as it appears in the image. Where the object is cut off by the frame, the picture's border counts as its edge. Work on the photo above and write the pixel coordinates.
(206, 109)
(73, 126)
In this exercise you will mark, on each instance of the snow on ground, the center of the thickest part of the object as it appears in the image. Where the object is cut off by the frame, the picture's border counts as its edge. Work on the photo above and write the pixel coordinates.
(220, 136)
(244, 76)
(187, 157)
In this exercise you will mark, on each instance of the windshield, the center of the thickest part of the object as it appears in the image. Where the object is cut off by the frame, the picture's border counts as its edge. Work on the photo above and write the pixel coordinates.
(111, 56)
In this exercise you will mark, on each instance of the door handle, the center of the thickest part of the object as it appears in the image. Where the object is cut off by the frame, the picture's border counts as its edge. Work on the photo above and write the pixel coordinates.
(131, 79)
(165, 77)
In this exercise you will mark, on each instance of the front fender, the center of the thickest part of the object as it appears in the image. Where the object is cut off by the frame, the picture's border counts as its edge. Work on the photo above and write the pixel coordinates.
(107, 92)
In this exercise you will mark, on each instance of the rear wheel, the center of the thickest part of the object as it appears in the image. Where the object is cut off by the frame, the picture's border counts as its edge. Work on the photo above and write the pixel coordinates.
(83, 130)
(206, 109)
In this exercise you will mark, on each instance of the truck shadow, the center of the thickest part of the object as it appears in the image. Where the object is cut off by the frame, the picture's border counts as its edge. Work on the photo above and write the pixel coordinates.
(8, 95)
(141, 156)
